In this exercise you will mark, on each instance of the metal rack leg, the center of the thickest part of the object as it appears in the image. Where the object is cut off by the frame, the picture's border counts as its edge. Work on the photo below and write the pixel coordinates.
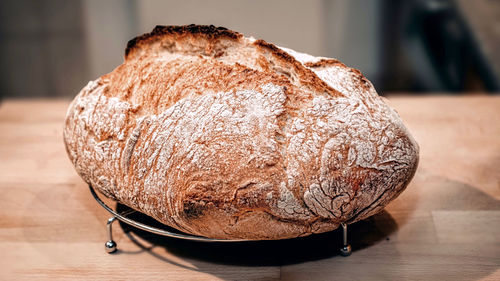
(346, 248)
(110, 245)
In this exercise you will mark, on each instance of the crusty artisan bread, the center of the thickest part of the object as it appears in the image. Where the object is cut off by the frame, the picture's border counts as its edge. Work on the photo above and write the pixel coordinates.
(225, 136)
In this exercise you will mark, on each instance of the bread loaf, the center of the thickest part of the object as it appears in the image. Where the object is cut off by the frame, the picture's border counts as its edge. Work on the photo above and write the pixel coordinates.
(224, 136)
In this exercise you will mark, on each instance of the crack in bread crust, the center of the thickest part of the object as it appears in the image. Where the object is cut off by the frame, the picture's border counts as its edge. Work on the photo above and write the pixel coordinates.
(218, 135)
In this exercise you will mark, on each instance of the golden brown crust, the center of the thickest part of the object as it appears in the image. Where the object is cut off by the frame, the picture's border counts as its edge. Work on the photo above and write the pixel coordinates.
(225, 136)
(306, 76)
(211, 38)
(324, 63)
(128, 83)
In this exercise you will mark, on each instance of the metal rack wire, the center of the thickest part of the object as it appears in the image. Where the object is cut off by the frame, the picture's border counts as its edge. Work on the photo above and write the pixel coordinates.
(111, 246)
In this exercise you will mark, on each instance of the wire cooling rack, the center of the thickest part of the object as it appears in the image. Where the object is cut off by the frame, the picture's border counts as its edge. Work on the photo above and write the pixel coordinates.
(111, 246)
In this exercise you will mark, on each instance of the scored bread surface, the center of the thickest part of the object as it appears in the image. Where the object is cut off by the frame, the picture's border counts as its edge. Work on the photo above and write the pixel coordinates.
(225, 136)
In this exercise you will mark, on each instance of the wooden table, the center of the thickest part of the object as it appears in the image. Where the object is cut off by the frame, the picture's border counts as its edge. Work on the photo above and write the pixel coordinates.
(445, 226)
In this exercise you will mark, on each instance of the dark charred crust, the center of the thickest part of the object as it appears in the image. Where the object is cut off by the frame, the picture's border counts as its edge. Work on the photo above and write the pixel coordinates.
(275, 50)
(208, 31)
(193, 210)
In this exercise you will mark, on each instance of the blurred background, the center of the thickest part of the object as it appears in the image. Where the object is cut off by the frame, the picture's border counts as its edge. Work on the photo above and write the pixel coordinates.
(53, 48)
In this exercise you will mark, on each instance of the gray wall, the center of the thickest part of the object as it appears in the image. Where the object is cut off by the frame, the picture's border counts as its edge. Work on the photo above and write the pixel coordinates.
(42, 48)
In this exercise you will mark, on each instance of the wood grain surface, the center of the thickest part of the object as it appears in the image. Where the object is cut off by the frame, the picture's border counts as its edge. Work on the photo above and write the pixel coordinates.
(445, 226)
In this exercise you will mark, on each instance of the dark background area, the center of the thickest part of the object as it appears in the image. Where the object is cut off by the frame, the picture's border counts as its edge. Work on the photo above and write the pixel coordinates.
(53, 48)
